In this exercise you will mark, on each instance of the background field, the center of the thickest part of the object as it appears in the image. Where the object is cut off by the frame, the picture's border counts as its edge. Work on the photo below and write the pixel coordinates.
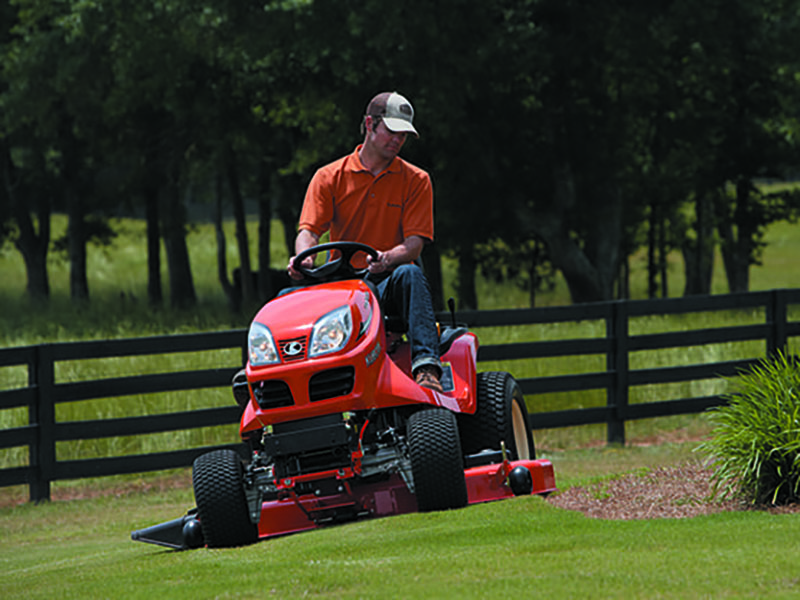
(117, 283)
(118, 309)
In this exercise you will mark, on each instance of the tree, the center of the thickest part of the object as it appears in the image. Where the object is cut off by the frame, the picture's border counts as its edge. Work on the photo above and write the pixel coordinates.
(739, 74)
(26, 205)
(659, 106)
(26, 215)
(574, 132)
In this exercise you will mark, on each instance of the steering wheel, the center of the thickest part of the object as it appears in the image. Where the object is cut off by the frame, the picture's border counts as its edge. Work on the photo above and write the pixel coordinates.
(338, 268)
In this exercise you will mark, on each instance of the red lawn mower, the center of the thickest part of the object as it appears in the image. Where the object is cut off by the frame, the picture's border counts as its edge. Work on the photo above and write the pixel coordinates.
(337, 429)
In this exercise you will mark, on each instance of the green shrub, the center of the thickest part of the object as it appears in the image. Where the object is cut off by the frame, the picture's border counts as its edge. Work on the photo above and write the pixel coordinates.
(755, 444)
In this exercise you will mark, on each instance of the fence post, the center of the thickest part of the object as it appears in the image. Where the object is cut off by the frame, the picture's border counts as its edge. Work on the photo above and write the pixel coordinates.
(776, 320)
(617, 363)
(42, 414)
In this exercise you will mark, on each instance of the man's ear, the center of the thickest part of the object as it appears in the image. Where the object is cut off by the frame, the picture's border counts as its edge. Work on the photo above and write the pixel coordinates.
(372, 122)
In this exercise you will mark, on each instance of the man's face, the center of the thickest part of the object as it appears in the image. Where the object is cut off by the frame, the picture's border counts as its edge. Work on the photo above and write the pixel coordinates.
(386, 143)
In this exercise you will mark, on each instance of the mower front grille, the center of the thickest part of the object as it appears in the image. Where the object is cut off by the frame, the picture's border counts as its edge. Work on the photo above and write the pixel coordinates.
(272, 394)
(331, 383)
(294, 349)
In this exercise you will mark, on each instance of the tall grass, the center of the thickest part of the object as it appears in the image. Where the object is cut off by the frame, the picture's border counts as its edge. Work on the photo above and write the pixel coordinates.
(756, 441)
(119, 309)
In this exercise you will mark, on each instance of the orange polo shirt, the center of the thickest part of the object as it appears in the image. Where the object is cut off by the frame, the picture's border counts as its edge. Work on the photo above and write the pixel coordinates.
(357, 206)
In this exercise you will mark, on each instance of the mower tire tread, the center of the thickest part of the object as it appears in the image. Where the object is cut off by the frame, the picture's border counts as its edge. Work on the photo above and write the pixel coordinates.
(499, 402)
(436, 461)
(221, 503)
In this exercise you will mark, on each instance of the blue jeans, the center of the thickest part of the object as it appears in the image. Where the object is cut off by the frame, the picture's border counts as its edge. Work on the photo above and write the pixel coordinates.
(405, 292)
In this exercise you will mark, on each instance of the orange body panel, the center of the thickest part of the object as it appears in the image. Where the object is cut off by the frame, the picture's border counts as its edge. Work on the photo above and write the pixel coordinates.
(381, 364)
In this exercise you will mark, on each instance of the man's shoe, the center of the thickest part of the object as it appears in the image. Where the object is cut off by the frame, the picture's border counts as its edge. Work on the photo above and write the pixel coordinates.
(428, 377)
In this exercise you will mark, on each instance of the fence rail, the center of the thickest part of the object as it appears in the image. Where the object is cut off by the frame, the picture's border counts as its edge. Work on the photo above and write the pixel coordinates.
(42, 392)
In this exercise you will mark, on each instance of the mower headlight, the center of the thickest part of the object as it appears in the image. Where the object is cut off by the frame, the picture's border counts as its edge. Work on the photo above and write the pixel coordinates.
(331, 332)
(261, 347)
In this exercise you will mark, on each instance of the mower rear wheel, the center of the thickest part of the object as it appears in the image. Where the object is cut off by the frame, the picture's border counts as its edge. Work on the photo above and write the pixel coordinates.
(221, 503)
(501, 415)
(436, 461)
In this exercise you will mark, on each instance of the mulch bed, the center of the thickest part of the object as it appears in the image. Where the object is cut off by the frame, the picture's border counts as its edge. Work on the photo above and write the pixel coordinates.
(678, 492)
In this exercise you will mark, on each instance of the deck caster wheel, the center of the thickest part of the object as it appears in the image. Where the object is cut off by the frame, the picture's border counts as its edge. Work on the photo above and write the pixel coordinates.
(193, 534)
(520, 481)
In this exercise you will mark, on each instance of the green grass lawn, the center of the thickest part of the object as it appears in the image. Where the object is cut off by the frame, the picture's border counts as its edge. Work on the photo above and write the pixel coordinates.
(522, 547)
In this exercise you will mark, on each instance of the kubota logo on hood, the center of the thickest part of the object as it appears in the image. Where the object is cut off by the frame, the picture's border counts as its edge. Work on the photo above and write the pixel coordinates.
(293, 348)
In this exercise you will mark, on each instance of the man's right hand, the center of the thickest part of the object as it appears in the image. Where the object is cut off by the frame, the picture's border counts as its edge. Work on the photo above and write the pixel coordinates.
(305, 240)
(308, 263)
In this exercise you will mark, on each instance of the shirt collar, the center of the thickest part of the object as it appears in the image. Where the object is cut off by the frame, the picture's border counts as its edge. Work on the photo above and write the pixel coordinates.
(356, 165)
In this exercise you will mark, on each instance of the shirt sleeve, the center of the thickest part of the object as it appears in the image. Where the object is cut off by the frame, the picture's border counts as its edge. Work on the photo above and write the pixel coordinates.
(317, 213)
(418, 210)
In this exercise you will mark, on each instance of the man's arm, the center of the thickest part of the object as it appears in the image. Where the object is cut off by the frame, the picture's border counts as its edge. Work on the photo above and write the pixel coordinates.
(305, 239)
(405, 252)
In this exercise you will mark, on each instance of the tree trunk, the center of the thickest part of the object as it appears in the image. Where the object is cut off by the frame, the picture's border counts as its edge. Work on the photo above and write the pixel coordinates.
(76, 244)
(652, 272)
(698, 254)
(32, 245)
(290, 193)
(624, 281)
(534, 279)
(582, 278)
(662, 255)
(222, 257)
(182, 293)
(155, 294)
(657, 282)
(266, 287)
(590, 271)
(604, 241)
(737, 240)
(248, 292)
(33, 248)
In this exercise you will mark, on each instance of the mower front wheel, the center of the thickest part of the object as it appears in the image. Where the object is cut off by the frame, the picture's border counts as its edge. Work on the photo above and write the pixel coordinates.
(436, 462)
(221, 503)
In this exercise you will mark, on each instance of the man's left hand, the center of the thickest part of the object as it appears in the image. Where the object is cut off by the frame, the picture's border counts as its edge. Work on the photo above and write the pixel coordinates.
(380, 264)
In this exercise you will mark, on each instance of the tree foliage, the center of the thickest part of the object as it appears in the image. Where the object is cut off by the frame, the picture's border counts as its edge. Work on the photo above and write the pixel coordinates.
(559, 133)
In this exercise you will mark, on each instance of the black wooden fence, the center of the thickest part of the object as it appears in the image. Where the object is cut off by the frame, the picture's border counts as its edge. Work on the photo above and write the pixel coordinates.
(766, 313)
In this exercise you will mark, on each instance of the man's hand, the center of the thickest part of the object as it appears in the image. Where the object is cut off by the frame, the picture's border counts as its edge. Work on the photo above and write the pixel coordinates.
(380, 264)
(305, 240)
(406, 252)
(308, 263)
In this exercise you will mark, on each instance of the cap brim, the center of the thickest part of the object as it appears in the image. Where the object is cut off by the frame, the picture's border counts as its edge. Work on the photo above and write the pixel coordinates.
(399, 126)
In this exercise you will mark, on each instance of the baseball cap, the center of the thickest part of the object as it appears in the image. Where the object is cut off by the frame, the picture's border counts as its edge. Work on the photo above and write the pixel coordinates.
(396, 112)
